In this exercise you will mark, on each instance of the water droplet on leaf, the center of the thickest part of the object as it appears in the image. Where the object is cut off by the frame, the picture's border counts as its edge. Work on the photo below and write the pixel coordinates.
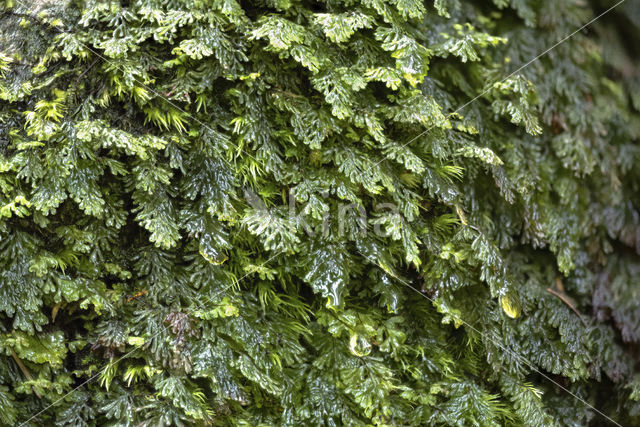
(359, 346)
(511, 304)
(215, 258)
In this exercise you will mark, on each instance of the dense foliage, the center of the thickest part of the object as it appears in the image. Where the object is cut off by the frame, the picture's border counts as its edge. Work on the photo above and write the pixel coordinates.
(214, 212)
